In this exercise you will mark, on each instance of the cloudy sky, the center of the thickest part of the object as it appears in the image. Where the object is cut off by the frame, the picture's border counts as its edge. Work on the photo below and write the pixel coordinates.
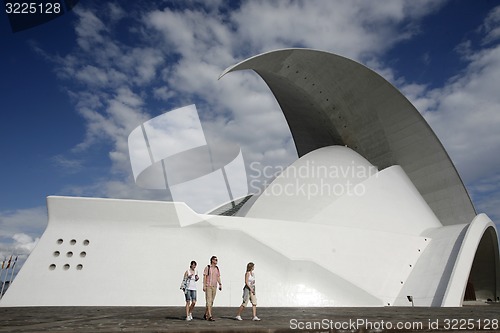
(74, 88)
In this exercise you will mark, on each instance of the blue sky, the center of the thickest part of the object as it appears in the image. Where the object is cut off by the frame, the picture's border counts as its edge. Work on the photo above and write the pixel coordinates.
(74, 88)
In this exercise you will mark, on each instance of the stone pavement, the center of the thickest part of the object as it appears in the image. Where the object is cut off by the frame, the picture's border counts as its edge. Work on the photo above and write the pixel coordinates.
(470, 318)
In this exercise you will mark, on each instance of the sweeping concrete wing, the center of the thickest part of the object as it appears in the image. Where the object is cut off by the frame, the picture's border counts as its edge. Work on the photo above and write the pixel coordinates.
(331, 100)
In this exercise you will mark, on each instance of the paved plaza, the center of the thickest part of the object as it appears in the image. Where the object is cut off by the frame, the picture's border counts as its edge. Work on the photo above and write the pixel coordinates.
(470, 318)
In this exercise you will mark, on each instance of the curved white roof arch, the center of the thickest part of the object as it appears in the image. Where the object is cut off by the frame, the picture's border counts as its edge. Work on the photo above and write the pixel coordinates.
(331, 100)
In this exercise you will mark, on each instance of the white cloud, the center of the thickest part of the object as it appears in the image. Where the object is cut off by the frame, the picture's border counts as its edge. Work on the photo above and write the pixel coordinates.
(20, 231)
(92, 75)
(89, 30)
(22, 220)
(24, 243)
(141, 64)
(351, 28)
(465, 115)
(163, 93)
(486, 192)
(116, 13)
(491, 26)
(67, 165)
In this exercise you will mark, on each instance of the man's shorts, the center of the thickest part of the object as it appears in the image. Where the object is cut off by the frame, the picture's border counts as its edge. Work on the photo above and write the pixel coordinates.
(190, 295)
(247, 295)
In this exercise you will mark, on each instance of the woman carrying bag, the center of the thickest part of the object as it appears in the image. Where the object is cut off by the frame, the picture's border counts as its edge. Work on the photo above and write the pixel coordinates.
(188, 285)
(249, 293)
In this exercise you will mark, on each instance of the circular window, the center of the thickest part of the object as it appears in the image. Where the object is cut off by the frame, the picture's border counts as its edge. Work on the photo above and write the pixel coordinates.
(83, 254)
(57, 253)
(79, 267)
(69, 254)
(59, 241)
(73, 242)
(52, 267)
(86, 242)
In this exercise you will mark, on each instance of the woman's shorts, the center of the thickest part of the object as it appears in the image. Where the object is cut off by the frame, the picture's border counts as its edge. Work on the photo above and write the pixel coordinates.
(190, 295)
(247, 295)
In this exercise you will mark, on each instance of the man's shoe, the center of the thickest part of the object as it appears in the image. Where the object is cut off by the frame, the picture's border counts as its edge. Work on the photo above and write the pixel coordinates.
(256, 318)
(211, 319)
(238, 318)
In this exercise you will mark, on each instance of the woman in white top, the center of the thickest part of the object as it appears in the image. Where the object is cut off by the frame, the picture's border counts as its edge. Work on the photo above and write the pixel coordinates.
(189, 287)
(249, 293)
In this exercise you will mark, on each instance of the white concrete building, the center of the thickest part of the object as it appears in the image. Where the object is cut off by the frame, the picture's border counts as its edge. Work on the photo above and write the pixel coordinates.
(373, 213)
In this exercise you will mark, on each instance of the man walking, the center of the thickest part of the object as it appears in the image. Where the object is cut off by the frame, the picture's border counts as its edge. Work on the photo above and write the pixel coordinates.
(211, 277)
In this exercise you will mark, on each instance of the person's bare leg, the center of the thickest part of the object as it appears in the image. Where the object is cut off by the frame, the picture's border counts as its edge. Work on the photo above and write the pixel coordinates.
(187, 309)
(193, 303)
(240, 310)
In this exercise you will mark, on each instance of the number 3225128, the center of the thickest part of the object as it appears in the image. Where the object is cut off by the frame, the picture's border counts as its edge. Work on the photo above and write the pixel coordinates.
(32, 8)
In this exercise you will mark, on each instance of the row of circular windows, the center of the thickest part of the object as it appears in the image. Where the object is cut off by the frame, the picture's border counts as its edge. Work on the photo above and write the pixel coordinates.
(69, 254)
(73, 242)
(66, 267)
